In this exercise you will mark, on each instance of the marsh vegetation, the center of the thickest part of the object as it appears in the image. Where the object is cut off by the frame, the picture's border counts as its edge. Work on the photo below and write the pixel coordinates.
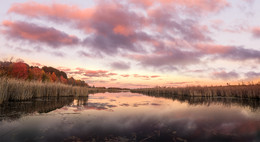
(237, 91)
(20, 90)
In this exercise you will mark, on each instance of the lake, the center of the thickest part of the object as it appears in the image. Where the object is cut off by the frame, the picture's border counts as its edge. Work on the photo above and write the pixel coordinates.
(129, 116)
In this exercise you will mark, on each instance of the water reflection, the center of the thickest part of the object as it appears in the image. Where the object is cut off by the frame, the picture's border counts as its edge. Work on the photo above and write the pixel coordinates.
(253, 104)
(15, 110)
(132, 117)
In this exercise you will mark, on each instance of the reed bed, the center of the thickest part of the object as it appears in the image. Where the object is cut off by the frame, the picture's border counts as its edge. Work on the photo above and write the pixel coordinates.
(238, 91)
(19, 90)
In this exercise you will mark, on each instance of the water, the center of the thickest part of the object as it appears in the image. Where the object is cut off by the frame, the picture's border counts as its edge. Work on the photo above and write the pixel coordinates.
(130, 117)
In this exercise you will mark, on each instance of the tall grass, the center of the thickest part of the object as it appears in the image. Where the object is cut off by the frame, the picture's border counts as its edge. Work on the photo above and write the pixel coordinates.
(18, 90)
(238, 91)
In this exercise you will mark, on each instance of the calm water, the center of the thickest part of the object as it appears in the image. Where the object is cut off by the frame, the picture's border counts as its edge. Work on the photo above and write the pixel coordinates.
(130, 117)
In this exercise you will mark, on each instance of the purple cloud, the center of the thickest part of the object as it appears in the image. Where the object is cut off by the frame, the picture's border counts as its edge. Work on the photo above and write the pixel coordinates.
(225, 75)
(35, 34)
(120, 65)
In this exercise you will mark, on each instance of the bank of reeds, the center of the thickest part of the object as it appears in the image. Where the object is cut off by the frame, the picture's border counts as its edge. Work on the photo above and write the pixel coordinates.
(238, 91)
(19, 90)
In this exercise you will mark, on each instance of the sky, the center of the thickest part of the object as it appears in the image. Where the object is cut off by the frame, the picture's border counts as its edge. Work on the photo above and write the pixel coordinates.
(137, 43)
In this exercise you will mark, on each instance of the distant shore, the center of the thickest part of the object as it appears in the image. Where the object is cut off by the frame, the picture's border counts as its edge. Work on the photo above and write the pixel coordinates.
(238, 91)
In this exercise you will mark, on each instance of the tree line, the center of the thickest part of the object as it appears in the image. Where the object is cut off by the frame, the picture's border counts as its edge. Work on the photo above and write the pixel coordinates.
(21, 70)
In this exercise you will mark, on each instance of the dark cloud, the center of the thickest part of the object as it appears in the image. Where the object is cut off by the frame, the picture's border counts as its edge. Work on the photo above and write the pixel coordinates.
(120, 65)
(225, 75)
(35, 34)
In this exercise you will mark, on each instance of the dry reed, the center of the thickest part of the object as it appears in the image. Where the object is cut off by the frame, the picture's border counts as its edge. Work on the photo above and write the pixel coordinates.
(18, 90)
(238, 91)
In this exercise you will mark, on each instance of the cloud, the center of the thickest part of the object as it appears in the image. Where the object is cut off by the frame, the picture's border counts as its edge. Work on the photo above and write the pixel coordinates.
(85, 73)
(154, 76)
(36, 64)
(141, 76)
(65, 69)
(225, 75)
(120, 65)
(112, 79)
(125, 75)
(98, 73)
(175, 57)
(58, 54)
(179, 83)
(186, 29)
(256, 32)
(34, 33)
(252, 74)
(213, 48)
(235, 53)
(198, 6)
(124, 30)
(241, 54)
(54, 12)
(23, 50)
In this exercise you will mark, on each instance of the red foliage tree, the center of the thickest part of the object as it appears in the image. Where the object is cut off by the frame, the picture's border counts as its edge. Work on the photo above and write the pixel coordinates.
(53, 77)
(19, 70)
(63, 80)
(35, 74)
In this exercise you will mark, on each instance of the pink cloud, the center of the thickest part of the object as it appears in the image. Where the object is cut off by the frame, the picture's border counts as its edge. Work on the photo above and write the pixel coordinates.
(98, 73)
(179, 83)
(213, 48)
(155, 76)
(256, 32)
(125, 75)
(199, 5)
(56, 12)
(36, 64)
(65, 69)
(141, 76)
(34, 33)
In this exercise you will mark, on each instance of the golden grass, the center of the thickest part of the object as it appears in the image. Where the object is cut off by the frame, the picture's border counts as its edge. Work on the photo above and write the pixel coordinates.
(238, 91)
(18, 90)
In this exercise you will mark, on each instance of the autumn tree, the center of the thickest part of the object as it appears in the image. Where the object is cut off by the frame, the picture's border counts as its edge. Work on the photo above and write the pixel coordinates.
(63, 80)
(56, 71)
(35, 73)
(54, 77)
(46, 77)
(18, 70)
